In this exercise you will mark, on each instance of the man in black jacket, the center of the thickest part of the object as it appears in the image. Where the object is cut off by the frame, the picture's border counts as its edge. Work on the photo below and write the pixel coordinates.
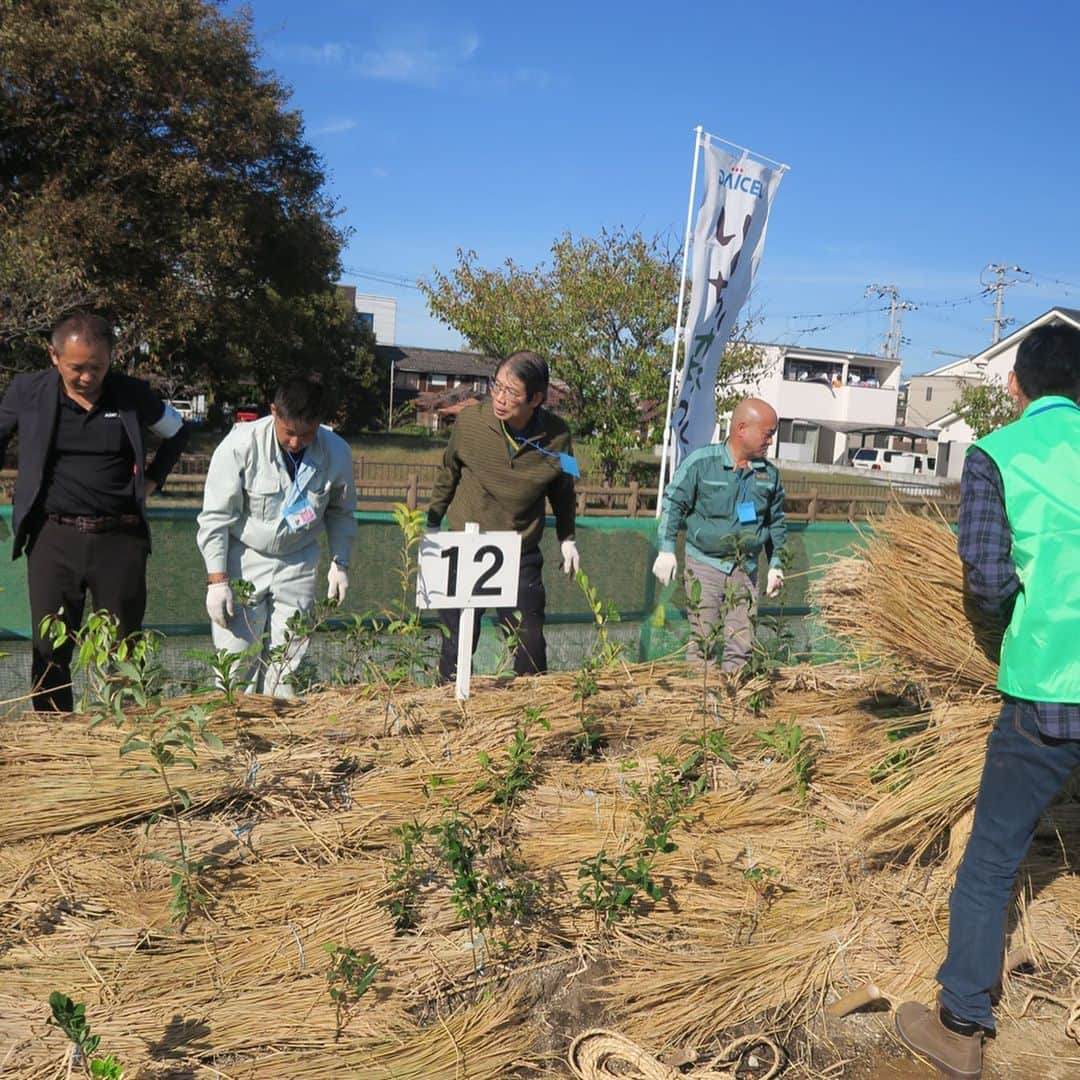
(80, 493)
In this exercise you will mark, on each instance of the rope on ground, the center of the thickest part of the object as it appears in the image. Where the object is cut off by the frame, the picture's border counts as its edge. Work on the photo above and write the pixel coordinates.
(594, 1053)
(1072, 1021)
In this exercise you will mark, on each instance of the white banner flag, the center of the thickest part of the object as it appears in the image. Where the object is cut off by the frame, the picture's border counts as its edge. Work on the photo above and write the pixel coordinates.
(728, 240)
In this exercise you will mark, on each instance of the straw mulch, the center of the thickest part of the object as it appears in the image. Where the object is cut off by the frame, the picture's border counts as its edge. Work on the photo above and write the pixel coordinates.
(772, 903)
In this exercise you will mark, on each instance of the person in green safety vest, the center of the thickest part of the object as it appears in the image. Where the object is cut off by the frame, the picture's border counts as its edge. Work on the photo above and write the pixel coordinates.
(1019, 540)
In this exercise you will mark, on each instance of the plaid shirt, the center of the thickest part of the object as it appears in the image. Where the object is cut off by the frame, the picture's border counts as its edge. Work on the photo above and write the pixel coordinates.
(985, 546)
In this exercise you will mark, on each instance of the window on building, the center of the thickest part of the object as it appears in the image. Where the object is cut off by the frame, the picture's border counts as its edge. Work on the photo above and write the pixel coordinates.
(366, 319)
(436, 380)
(929, 393)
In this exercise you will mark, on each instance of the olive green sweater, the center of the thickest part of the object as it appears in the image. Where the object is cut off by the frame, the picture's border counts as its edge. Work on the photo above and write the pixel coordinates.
(483, 479)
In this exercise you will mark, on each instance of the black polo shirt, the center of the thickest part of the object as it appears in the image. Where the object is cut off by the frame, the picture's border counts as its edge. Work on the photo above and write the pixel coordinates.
(91, 466)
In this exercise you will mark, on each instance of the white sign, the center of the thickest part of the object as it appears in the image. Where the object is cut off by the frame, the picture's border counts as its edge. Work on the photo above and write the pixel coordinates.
(728, 240)
(468, 570)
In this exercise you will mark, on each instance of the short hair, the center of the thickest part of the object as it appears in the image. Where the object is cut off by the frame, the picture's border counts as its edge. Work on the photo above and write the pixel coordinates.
(85, 325)
(530, 368)
(1048, 362)
(301, 398)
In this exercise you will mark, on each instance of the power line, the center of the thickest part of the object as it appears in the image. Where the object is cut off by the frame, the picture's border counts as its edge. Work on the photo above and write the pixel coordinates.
(1069, 288)
(384, 278)
(833, 314)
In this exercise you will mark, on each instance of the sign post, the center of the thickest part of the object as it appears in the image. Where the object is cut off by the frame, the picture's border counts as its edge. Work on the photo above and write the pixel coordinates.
(468, 570)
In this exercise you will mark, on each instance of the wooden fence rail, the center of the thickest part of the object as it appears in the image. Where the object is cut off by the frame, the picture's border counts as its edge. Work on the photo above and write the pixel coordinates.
(631, 500)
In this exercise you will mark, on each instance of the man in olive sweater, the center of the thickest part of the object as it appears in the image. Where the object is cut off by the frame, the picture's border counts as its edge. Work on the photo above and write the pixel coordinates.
(505, 459)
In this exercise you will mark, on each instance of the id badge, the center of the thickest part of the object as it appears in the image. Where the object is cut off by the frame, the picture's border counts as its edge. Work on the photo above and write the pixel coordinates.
(299, 514)
(747, 513)
(568, 464)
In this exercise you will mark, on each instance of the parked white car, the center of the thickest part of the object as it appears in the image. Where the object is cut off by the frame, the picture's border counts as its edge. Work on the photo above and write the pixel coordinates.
(895, 461)
(185, 408)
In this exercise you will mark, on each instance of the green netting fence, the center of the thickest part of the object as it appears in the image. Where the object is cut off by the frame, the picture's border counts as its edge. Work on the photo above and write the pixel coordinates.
(616, 553)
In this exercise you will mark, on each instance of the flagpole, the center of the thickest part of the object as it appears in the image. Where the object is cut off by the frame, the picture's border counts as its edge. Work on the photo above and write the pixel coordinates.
(699, 133)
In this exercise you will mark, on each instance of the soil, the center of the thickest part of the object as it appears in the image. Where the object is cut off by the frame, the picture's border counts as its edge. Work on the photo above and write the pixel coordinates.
(861, 1046)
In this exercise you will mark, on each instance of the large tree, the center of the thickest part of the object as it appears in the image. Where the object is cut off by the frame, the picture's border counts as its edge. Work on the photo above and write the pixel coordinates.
(602, 312)
(149, 168)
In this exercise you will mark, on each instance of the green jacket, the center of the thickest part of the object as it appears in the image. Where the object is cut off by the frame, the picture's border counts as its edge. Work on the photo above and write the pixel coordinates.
(484, 479)
(1038, 457)
(703, 496)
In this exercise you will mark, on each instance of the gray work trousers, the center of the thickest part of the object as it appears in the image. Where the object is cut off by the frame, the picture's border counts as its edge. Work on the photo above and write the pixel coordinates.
(284, 586)
(730, 598)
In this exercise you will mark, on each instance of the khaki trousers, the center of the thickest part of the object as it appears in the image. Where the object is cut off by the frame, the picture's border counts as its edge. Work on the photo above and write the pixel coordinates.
(730, 599)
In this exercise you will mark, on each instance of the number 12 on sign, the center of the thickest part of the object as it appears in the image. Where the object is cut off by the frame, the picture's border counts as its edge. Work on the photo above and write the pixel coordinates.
(468, 570)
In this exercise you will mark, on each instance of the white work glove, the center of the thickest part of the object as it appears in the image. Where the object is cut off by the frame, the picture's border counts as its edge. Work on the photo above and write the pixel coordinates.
(666, 567)
(571, 560)
(337, 581)
(775, 582)
(219, 603)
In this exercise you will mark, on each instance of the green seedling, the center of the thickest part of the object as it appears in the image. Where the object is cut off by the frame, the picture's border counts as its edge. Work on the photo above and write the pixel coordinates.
(711, 748)
(70, 1018)
(507, 781)
(390, 647)
(406, 877)
(230, 670)
(601, 655)
(588, 741)
(791, 745)
(168, 740)
(895, 770)
(611, 888)
(481, 899)
(118, 671)
(348, 978)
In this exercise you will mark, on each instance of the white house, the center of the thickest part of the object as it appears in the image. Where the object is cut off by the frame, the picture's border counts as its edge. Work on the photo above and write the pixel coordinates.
(380, 313)
(821, 396)
(991, 365)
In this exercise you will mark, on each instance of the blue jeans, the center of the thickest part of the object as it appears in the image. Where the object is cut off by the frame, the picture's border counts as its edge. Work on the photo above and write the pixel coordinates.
(1023, 772)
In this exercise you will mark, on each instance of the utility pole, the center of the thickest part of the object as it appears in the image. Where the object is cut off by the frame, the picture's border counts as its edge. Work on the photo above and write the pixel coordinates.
(893, 339)
(998, 289)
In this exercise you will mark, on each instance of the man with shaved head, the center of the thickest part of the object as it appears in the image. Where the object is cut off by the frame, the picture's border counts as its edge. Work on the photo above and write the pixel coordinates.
(731, 502)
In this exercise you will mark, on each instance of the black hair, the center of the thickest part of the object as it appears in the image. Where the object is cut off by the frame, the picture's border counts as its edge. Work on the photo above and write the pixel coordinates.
(1048, 362)
(530, 368)
(82, 324)
(300, 398)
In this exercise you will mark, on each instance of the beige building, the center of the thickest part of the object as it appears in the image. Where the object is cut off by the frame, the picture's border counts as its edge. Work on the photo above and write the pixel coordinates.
(935, 394)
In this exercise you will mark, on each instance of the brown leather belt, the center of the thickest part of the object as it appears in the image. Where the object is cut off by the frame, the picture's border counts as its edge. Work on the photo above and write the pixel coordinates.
(101, 524)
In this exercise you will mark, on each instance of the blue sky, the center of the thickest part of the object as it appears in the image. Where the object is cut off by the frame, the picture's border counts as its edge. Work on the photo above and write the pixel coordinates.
(925, 141)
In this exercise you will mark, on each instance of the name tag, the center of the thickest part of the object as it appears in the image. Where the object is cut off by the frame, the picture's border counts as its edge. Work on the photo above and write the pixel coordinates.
(299, 514)
(568, 464)
(747, 512)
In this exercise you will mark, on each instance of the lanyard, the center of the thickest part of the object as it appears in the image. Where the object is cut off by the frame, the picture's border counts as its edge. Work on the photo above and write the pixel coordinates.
(524, 440)
(297, 493)
(744, 487)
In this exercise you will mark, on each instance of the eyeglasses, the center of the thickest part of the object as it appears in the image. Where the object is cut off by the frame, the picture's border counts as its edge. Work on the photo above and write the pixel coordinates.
(501, 390)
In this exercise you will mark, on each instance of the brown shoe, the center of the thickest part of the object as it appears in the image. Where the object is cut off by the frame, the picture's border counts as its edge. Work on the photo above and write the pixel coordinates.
(958, 1057)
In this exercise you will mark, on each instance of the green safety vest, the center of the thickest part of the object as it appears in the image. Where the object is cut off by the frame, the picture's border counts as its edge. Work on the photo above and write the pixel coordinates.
(1038, 457)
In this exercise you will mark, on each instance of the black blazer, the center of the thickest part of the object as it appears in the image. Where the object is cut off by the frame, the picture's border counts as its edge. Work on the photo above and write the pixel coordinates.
(32, 404)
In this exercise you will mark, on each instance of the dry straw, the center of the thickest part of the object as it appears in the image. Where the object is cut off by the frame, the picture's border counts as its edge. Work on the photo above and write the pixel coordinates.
(772, 905)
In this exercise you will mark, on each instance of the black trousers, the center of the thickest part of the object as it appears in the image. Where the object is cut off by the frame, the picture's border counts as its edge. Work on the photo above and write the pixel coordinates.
(530, 652)
(62, 564)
